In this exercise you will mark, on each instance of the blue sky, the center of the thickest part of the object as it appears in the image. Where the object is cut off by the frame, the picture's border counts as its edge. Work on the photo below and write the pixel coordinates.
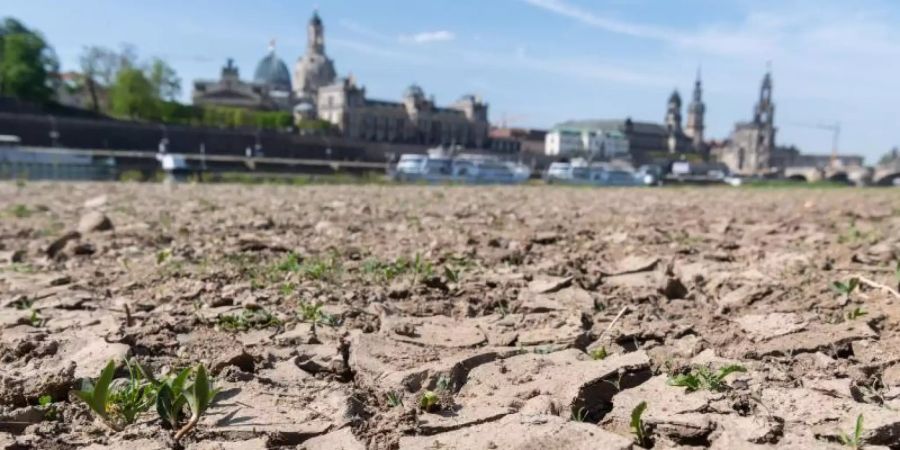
(539, 62)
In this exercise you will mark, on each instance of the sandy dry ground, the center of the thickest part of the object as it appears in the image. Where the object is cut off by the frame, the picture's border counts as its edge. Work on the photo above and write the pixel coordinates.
(326, 313)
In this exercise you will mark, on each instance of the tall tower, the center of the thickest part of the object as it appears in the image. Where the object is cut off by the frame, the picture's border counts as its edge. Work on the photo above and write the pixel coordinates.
(764, 118)
(696, 111)
(673, 121)
(315, 35)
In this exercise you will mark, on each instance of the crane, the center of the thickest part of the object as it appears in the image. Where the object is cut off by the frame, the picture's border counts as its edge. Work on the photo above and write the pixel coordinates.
(835, 130)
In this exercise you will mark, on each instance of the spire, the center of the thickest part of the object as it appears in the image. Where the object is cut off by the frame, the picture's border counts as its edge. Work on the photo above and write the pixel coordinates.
(698, 88)
(316, 34)
(272, 45)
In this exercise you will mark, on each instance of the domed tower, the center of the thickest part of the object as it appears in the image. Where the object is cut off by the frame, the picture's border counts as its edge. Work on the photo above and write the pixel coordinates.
(696, 111)
(673, 121)
(272, 72)
(314, 69)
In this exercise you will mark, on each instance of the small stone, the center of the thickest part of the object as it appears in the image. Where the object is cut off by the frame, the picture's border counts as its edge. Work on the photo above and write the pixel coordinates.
(60, 243)
(94, 221)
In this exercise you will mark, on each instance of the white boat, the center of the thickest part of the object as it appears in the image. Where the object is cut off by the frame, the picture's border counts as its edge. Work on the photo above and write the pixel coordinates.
(598, 174)
(440, 167)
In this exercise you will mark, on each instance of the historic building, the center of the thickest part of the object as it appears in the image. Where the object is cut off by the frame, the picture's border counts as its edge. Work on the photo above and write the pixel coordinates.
(644, 142)
(750, 148)
(314, 69)
(695, 120)
(269, 90)
(417, 119)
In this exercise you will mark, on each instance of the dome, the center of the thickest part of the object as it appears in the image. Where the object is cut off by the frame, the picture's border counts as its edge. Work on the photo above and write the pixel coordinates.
(675, 98)
(273, 72)
(414, 91)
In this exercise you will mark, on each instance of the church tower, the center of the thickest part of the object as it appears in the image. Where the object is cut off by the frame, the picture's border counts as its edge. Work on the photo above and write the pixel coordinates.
(696, 111)
(673, 121)
(315, 35)
(764, 116)
(314, 69)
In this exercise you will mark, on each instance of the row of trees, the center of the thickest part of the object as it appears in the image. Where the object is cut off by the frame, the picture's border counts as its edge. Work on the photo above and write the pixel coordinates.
(116, 83)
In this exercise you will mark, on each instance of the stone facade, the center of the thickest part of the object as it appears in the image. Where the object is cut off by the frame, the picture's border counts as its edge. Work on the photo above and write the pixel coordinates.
(314, 69)
(230, 91)
(750, 149)
(415, 120)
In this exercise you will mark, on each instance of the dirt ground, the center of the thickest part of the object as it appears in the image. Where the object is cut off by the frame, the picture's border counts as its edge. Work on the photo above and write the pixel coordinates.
(328, 313)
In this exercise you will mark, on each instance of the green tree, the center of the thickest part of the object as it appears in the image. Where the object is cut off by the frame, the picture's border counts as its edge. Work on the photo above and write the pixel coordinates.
(134, 96)
(27, 63)
(164, 79)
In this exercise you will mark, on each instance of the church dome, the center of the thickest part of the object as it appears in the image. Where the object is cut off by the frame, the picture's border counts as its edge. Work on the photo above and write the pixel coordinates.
(414, 91)
(273, 72)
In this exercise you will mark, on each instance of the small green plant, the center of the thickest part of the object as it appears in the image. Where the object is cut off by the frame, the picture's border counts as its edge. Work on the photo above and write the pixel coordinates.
(845, 288)
(704, 378)
(855, 441)
(637, 424)
(394, 400)
(290, 263)
(452, 275)
(163, 255)
(287, 289)
(248, 319)
(35, 319)
(170, 398)
(45, 402)
(312, 313)
(428, 401)
(117, 402)
(579, 415)
(856, 313)
(19, 211)
(599, 353)
(199, 395)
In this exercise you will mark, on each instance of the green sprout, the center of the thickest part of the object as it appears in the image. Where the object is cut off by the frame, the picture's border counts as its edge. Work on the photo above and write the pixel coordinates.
(45, 402)
(703, 378)
(599, 353)
(428, 401)
(199, 395)
(19, 211)
(35, 319)
(452, 275)
(845, 288)
(856, 313)
(248, 319)
(855, 441)
(637, 424)
(163, 255)
(579, 415)
(312, 313)
(394, 400)
(117, 402)
(290, 263)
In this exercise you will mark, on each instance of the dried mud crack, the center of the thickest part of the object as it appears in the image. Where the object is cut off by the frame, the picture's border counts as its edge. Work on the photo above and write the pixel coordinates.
(358, 317)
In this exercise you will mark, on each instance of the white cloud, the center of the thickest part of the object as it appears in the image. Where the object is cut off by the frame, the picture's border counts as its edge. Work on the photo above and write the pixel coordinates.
(428, 37)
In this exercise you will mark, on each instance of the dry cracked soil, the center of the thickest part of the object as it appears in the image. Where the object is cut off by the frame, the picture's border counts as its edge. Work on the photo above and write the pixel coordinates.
(528, 317)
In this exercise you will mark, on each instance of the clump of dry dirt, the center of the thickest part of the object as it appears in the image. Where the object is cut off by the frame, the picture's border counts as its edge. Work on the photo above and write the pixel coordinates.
(327, 312)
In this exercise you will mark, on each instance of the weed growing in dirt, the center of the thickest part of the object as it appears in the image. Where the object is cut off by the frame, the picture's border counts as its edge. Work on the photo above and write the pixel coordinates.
(163, 255)
(579, 415)
(45, 403)
(637, 424)
(394, 400)
(856, 313)
(19, 211)
(704, 378)
(247, 319)
(117, 402)
(845, 288)
(290, 263)
(854, 441)
(598, 354)
(199, 395)
(429, 401)
(388, 271)
(35, 319)
(452, 275)
(312, 313)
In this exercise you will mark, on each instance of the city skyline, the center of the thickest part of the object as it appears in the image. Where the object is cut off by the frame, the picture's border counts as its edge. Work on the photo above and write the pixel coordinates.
(540, 62)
